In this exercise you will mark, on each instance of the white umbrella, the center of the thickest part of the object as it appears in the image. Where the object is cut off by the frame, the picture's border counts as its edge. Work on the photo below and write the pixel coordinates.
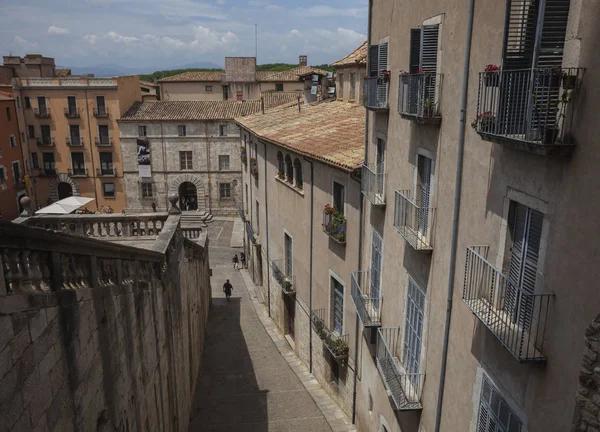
(65, 206)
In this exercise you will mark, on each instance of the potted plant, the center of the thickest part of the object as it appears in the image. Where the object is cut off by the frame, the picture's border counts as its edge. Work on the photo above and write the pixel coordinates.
(551, 77)
(492, 75)
(299, 185)
(427, 108)
(485, 122)
(289, 178)
(384, 77)
(281, 175)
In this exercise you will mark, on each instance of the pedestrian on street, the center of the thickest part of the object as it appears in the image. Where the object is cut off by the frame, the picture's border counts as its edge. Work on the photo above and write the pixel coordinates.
(243, 259)
(154, 207)
(236, 262)
(227, 287)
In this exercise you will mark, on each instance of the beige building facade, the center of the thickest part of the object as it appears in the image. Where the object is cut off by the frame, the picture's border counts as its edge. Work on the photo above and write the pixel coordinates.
(349, 75)
(523, 282)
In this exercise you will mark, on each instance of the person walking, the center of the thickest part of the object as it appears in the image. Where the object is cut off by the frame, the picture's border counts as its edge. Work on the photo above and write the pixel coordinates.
(154, 207)
(236, 262)
(243, 259)
(227, 288)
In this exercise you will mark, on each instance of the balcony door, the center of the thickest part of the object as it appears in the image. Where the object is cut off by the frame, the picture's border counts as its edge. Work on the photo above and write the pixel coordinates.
(46, 139)
(338, 196)
(424, 169)
(380, 166)
(75, 135)
(106, 163)
(42, 108)
(78, 163)
(49, 163)
(101, 105)
(289, 263)
(376, 260)
(103, 134)
(71, 105)
(413, 330)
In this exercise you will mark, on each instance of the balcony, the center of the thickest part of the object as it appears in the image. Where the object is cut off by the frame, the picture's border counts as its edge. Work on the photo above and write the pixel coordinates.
(367, 304)
(403, 388)
(101, 112)
(243, 155)
(334, 224)
(106, 172)
(77, 172)
(376, 93)
(286, 283)
(46, 142)
(518, 319)
(72, 113)
(530, 109)
(372, 185)
(336, 345)
(250, 233)
(75, 142)
(419, 97)
(42, 113)
(103, 141)
(254, 168)
(414, 223)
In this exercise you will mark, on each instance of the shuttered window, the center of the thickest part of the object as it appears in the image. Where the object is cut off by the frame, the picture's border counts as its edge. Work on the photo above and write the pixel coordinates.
(429, 48)
(376, 249)
(373, 60)
(338, 306)
(382, 58)
(424, 168)
(494, 413)
(413, 328)
(415, 51)
(288, 256)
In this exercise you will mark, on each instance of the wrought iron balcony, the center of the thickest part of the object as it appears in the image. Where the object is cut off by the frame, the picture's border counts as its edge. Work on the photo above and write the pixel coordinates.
(367, 304)
(78, 172)
(518, 319)
(334, 224)
(103, 141)
(46, 142)
(403, 388)
(376, 93)
(413, 222)
(71, 113)
(254, 168)
(287, 283)
(75, 142)
(337, 345)
(372, 185)
(250, 232)
(42, 113)
(101, 112)
(529, 109)
(419, 97)
(106, 172)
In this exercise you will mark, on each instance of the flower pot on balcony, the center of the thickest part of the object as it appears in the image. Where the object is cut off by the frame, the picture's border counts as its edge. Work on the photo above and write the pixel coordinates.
(569, 82)
(550, 135)
(492, 79)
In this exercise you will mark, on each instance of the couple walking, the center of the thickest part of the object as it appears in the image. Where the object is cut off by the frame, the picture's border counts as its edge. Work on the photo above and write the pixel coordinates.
(236, 261)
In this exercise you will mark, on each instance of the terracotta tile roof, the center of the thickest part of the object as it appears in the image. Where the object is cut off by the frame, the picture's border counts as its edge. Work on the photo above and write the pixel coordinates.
(62, 72)
(288, 75)
(147, 84)
(332, 132)
(356, 57)
(208, 76)
(202, 110)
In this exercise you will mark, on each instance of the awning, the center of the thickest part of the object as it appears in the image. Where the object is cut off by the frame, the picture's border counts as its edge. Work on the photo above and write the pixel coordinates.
(65, 206)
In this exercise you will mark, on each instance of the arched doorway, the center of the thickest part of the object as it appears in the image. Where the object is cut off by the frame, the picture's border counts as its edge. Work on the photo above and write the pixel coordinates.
(188, 196)
(64, 190)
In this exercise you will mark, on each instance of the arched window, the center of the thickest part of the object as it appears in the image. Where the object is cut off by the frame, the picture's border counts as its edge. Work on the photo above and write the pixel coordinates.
(289, 169)
(298, 173)
(280, 167)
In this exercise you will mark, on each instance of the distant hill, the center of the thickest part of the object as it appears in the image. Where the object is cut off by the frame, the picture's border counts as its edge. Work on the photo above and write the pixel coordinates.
(110, 70)
(167, 73)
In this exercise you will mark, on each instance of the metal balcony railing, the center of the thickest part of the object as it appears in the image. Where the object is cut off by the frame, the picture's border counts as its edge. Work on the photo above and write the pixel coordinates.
(254, 168)
(71, 113)
(287, 283)
(103, 141)
(367, 304)
(48, 172)
(529, 109)
(243, 155)
(334, 225)
(403, 388)
(376, 93)
(250, 232)
(46, 142)
(106, 172)
(372, 185)
(75, 142)
(337, 345)
(78, 172)
(518, 319)
(42, 113)
(413, 222)
(241, 213)
(101, 112)
(419, 96)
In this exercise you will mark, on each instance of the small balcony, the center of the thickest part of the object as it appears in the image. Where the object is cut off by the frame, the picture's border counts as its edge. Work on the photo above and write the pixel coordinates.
(254, 168)
(78, 172)
(41, 113)
(287, 283)
(46, 142)
(243, 155)
(334, 224)
(337, 345)
(100, 112)
(75, 142)
(403, 388)
(367, 303)
(72, 113)
(372, 185)
(250, 233)
(414, 223)
(106, 172)
(103, 141)
(530, 109)
(376, 91)
(419, 97)
(517, 318)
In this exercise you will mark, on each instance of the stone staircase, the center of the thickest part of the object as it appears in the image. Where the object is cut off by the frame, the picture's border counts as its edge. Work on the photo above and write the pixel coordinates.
(191, 219)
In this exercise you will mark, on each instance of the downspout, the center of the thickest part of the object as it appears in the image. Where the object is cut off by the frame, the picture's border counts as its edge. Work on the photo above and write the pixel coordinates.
(250, 205)
(456, 212)
(87, 111)
(267, 233)
(361, 225)
(310, 271)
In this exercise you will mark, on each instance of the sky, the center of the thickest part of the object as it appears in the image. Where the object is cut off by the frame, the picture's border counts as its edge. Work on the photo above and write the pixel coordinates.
(160, 34)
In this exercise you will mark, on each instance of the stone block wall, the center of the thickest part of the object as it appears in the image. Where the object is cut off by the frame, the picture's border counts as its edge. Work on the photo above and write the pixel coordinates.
(108, 356)
(587, 400)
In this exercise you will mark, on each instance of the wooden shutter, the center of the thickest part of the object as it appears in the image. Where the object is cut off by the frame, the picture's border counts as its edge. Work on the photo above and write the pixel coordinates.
(382, 59)
(415, 51)
(519, 34)
(338, 306)
(373, 60)
(425, 167)
(495, 415)
(429, 48)
(554, 30)
(382, 88)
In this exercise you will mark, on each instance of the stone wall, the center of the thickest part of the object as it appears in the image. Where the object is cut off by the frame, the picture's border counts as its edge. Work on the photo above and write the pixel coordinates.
(96, 336)
(587, 400)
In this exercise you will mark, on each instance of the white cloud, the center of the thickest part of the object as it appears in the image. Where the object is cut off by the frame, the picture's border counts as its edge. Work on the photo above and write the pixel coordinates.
(257, 3)
(53, 30)
(295, 32)
(207, 40)
(121, 39)
(90, 38)
(322, 11)
(24, 43)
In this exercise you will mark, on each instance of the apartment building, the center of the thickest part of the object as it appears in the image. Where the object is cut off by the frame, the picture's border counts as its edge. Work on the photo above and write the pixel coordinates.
(349, 75)
(12, 169)
(71, 136)
(505, 289)
(187, 147)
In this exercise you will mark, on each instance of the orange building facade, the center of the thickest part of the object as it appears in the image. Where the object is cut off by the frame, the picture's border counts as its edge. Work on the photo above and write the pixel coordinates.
(12, 169)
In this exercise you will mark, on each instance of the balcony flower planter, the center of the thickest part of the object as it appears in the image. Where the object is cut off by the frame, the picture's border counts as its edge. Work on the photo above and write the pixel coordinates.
(569, 81)
(243, 155)
(551, 77)
(485, 122)
(334, 224)
(299, 185)
(281, 175)
(289, 179)
(337, 346)
(492, 75)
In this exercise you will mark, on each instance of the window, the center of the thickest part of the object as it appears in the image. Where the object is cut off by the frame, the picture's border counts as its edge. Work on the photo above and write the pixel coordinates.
(376, 260)
(223, 162)
(413, 329)
(257, 217)
(146, 189)
(423, 58)
(298, 172)
(246, 198)
(207, 88)
(341, 84)
(240, 95)
(280, 167)
(78, 163)
(289, 258)
(13, 141)
(338, 196)
(2, 173)
(185, 160)
(222, 130)
(31, 131)
(352, 86)
(108, 190)
(71, 105)
(16, 167)
(8, 116)
(42, 108)
(22, 137)
(338, 305)
(495, 415)
(27, 102)
(18, 102)
(49, 164)
(103, 136)
(181, 130)
(279, 87)
(74, 135)
(46, 139)
(34, 160)
(289, 169)
(225, 190)
(380, 164)
(101, 105)
(424, 169)
(142, 130)
(225, 93)
(106, 164)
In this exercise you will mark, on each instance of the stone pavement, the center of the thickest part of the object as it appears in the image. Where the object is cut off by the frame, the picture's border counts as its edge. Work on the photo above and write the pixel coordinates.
(250, 379)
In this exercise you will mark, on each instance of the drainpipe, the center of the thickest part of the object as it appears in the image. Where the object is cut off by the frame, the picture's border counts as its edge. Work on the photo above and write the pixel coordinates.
(267, 232)
(310, 272)
(87, 110)
(456, 212)
(251, 205)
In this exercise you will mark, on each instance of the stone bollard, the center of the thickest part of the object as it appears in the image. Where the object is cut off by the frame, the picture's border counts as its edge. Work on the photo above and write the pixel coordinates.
(173, 199)
(26, 203)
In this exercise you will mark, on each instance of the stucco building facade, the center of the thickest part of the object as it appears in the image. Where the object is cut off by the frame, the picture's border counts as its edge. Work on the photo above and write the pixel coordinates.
(12, 168)
(349, 75)
(514, 289)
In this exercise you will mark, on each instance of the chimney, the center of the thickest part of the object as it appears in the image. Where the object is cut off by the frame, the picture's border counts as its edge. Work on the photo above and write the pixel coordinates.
(302, 60)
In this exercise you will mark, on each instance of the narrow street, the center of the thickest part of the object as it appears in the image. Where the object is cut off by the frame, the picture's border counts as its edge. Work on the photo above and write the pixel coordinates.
(245, 383)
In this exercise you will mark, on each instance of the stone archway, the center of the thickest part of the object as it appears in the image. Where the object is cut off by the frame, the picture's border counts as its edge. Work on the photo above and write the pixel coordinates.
(64, 190)
(178, 181)
(62, 178)
(188, 196)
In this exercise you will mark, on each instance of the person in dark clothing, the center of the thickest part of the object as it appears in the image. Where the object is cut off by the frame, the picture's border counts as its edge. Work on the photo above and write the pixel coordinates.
(227, 288)
(243, 259)
(236, 261)
(154, 207)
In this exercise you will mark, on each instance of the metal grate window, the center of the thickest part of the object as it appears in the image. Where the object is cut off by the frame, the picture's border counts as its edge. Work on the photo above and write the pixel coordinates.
(185, 160)
(376, 260)
(413, 329)
(338, 306)
(223, 162)
(494, 413)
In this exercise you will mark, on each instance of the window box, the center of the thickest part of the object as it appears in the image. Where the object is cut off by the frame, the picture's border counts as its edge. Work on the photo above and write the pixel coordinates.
(286, 283)
(334, 224)
(336, 345)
